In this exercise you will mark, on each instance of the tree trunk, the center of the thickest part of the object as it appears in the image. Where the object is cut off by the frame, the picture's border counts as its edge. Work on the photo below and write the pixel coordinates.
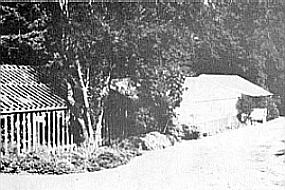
(86, 103)
(98, 132)
(71, 102)
(103, 96)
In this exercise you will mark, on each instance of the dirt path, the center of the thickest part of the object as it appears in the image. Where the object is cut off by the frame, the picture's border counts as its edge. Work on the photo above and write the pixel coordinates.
(243, 159)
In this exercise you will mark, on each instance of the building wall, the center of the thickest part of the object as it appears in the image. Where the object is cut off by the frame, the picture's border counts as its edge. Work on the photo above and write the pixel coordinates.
(28, 131)
(210, 116)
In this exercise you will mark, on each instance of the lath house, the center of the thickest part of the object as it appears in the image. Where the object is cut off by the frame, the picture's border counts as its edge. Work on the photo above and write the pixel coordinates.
(31, 115)
(209, 101)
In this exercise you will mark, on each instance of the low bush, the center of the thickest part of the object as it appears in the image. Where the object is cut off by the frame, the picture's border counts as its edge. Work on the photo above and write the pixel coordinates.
(273, 111)
(190, 132)
(10, 164)
(65, 162)
(79, 160)
(150, 141)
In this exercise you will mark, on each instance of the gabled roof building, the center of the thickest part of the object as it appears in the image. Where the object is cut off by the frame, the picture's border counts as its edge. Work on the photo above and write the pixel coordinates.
(21, 91)
(31, 115)
(209, 101)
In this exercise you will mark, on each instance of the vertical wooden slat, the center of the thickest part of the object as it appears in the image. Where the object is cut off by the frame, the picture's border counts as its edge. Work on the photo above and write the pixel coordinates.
(67, 129)
(53, 131)
(29, 125)
(43, 128)
(24, 132)
(1, 145)
(38, 130)
(62, 127)
(6, 134)
(12, 129)
(49, 129)
(34, 131)
(58, 128)
(71, 139)
(18, 133)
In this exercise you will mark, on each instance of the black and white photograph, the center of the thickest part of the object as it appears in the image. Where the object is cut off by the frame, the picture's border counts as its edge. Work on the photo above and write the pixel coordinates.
(142, 95)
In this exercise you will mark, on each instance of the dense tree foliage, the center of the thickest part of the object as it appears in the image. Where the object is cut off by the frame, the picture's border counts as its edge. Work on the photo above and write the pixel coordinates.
(22, 33)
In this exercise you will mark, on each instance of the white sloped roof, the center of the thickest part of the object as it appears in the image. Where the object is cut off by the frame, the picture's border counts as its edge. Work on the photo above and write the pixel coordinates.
(200, 89)
(237, 84)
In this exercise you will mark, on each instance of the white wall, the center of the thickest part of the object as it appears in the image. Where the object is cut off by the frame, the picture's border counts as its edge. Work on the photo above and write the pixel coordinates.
(208, 114)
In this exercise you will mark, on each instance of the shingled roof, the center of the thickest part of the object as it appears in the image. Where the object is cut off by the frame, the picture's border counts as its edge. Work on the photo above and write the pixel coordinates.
(21, 91)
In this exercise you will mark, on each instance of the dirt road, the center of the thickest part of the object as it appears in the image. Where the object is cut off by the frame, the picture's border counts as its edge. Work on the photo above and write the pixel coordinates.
(248, 158)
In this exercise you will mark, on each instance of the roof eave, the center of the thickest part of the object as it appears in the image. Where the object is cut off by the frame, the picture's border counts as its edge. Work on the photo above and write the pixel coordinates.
(12, 111)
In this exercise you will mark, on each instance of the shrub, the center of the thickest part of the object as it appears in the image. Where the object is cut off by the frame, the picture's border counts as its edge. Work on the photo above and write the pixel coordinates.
(44, 162)
(273, 111)
(36, 163)
(173, 127)
(150, 141)
(190, 132)
(10, 164)
(244, 108)
(80, 160)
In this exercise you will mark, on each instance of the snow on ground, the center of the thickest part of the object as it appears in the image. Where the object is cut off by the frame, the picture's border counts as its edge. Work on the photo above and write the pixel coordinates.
(242, 159)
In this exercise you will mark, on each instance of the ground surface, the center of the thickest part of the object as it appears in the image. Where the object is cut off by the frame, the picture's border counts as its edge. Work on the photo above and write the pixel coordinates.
(243, 159)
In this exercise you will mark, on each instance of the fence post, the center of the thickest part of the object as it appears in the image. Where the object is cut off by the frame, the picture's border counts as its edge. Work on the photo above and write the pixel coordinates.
(34, 115)
(18, 133)
(29, 131)
(62, 127)
(34, 125)
(58, 129)
(24, 132)
(67, 128)
(6, 134)
(43, 128)
(12, 129)
(53, 131)
(1, 145)
(72, 139)
(38, 130)
(49, 132)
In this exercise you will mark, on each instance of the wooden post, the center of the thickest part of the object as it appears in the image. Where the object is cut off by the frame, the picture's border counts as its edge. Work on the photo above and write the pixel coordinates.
(24, 132)
(67, 135)
(18, 133)
(49, 129)
(6, 134)
(62, 127)
(53, 131)
(12, 129)
(1, 145)
(43, 128)
(29, 125)
(34, 115)
(67, 128)
(38, 130)
(58, 128)
(35, 125)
